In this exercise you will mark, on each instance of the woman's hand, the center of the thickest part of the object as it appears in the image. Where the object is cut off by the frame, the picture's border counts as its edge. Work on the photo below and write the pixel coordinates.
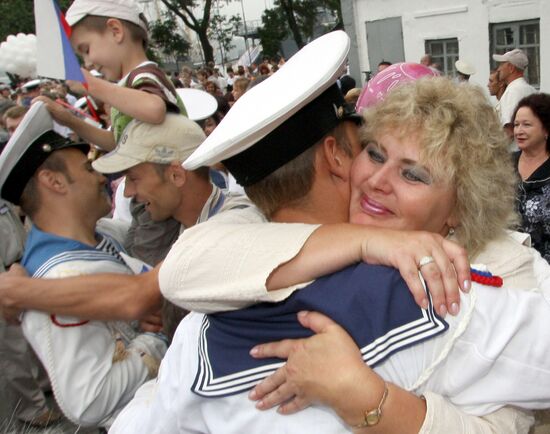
(448, 272)
(324, 368)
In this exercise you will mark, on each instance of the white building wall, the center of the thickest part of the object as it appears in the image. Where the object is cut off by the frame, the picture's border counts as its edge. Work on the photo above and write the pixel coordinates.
(466, 20)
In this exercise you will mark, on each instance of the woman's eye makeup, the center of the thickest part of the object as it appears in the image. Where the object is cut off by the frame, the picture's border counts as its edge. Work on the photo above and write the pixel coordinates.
(409, 171)
(417, 174)
(374, 152)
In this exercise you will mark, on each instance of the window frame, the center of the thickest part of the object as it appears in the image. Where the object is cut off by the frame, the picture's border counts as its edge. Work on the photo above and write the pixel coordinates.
(533, 70)
(428, 43)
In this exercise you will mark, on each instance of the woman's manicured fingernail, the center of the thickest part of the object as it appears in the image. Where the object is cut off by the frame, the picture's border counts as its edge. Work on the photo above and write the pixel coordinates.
(442, 310)
(467, 285)
(425, 303)
(253, 395)
(454, 308)
(254, 351)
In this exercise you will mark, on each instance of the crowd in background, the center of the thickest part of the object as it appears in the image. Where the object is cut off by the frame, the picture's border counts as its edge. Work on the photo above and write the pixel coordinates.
(524, 114)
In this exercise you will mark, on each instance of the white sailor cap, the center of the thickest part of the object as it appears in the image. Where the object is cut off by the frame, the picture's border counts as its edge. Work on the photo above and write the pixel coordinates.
(198, 103)
(31, 84)
(464, 67)
(31, 144)
(277, 120)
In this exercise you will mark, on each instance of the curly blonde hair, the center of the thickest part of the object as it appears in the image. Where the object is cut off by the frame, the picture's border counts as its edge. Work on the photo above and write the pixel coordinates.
(462, 144)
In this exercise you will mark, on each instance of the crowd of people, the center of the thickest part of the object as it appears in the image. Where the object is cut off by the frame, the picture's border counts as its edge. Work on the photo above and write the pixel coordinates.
(300, 254)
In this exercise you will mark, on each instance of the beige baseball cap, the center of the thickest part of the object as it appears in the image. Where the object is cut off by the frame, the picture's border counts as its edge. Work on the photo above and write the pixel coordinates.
(126, 10)
(173, 140)
(516, 57)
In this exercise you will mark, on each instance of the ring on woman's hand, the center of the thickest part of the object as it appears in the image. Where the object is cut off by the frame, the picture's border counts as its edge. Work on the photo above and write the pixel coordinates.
(425, 260)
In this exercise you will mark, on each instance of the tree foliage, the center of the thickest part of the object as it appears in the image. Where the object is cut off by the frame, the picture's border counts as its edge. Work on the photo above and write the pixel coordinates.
(274, 29)
(167, 39)
(222, 29)
(295, 18)
(17, 16)
(184, 9)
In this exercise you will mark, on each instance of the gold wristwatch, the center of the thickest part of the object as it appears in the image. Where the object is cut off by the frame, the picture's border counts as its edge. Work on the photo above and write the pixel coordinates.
(372, 417)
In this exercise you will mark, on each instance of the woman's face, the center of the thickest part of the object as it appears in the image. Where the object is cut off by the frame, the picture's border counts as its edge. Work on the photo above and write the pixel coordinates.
(211, 88)
(528, 130)
(390, 188)
(209, 126)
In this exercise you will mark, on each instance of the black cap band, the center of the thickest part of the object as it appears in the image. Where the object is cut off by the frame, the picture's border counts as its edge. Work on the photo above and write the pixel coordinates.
(298, 133)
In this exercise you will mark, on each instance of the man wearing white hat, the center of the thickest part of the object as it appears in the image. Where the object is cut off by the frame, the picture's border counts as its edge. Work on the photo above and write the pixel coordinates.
(31, 89)
(464, 70)
(94, 366)
(511, 69)
(214, 400)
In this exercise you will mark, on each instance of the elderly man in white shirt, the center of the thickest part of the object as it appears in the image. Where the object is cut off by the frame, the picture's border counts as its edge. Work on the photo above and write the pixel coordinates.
(511, 68)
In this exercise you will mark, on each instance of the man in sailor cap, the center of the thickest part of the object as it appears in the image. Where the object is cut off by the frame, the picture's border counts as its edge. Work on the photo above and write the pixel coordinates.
(206, 390)
(464, 70)
(31, 89)
(151, 156)
(94, 366)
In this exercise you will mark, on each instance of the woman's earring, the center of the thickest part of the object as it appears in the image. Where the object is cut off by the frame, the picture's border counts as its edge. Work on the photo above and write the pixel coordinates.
(451, 232)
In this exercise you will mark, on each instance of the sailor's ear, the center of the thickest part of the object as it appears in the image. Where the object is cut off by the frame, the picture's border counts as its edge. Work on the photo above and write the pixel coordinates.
(338, 161)
(52, 180)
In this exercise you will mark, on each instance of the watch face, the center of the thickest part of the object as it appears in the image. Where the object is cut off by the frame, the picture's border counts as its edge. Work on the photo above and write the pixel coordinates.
(373, 417)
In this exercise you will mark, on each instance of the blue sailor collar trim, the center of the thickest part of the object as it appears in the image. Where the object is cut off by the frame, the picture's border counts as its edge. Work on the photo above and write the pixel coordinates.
(44, 250)
(371, 302)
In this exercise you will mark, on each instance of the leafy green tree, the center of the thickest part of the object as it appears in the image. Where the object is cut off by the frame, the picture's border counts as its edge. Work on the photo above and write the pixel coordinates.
(295, 18)
(222, 29)
(167, 39)
(273, 31)
(184, 9)
(17, 16)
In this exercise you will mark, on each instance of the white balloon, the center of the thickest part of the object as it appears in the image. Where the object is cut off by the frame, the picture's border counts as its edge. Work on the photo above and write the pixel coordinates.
(10, 67)
(18, 54)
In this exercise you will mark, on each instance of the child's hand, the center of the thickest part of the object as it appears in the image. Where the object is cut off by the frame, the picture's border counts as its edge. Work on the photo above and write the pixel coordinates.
(77, 87)
(60, 114)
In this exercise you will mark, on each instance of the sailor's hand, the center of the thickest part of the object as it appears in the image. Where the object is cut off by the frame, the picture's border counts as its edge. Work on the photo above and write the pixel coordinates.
(9, 284)
(151, 323)
(320, 369)
(443, 264)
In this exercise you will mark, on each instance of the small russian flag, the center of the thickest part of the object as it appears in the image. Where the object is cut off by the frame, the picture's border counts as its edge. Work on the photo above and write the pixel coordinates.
(55, 56)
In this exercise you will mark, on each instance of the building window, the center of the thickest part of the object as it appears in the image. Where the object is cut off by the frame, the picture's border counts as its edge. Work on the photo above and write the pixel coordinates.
(444, 54)
(519, 34)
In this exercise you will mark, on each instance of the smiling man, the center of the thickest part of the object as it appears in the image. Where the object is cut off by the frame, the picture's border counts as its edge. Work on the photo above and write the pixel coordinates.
(94, 366)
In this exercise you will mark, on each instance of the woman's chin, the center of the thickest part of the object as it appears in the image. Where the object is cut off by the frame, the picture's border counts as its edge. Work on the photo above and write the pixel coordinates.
(361, 218)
